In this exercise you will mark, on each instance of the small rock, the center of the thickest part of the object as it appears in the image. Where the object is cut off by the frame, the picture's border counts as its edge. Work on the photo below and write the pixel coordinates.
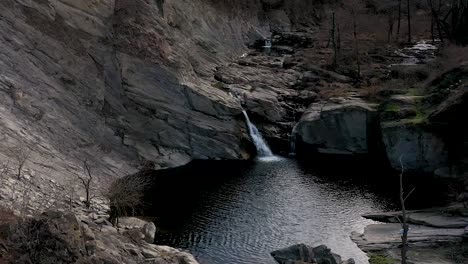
(133, 251)
(108, 229)
(27, 177)
(87, 233)
(149, 231)
(135, 235)
(91, 246)
(93, 216)
(131, 223)
(147, 253)
(302, 253)
(102, 221)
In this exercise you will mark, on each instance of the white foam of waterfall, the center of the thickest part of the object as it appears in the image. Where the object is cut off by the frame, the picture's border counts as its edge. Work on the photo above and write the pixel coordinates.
(262, 147)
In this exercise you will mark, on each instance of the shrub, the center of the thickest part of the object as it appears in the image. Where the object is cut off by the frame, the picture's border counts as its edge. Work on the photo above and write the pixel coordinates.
(126, 196)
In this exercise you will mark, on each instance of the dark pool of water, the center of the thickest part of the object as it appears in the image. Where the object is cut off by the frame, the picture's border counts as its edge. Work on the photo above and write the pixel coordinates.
(231, 213)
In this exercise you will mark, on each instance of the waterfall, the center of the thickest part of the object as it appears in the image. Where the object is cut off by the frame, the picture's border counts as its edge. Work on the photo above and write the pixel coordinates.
(292, 142)
(292, 146)
(262, 147)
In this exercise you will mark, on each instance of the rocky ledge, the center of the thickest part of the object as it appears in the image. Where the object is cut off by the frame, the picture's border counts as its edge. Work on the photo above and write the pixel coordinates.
(435, 235)
(65, 237)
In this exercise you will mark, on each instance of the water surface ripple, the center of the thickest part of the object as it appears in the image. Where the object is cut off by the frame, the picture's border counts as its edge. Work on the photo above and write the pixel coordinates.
(238, 216)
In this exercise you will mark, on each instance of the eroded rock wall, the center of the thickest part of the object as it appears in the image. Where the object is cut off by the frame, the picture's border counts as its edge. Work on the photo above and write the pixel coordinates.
(124, 81)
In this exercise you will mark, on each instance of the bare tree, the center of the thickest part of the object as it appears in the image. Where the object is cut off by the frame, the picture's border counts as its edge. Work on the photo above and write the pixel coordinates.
(356, 45)
(333, 38)
(4, 169)
(391, 22)
(21, 155)
(404, 215)
(126, 196)
(436, 19)
(87, 182)
(408, 6)
(399, 20)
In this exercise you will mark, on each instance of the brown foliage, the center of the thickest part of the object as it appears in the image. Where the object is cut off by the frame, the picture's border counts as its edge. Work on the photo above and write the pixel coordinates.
(126, 196)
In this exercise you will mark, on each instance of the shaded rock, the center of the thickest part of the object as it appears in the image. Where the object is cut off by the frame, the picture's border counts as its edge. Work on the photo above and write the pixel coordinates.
(419, 148)
(292, 39)
(303, 254)
(332, 76)
(337, 128)
(452, 108)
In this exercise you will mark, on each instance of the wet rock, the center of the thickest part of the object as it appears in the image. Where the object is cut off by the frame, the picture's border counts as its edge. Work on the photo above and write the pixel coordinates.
(303, 254)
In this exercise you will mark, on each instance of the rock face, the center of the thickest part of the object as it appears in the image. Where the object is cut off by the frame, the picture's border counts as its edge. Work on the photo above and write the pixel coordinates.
(341, 128)
(418, 148)
(303, 254)
(352, 127)
(127, 81)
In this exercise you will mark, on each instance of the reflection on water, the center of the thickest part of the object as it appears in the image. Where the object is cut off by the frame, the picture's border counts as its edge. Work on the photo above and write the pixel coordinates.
(230, 213)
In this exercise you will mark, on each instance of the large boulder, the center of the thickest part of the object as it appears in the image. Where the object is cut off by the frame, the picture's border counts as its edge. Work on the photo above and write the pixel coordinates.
(342, 127)
(417, 147)
(304, 254)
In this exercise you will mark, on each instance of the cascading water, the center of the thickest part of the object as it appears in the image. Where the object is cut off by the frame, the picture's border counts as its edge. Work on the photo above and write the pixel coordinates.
(292, 140)
(262, 147)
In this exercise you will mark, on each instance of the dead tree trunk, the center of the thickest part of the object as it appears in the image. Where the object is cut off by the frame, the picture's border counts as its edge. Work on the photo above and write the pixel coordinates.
(404, 216)
(391, 22)
(409, 20)
(86, 181)
(399, 20)
(333, 38)
(356, 46)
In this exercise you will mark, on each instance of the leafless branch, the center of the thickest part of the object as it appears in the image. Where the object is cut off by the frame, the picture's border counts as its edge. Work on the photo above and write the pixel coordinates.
(21, 155)
(87, 181)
